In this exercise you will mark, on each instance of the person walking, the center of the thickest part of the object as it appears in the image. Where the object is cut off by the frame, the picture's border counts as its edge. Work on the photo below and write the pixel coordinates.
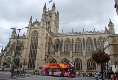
(104, 75)
(23, 72)
(97, 75)
(117, 75)
(112, 75)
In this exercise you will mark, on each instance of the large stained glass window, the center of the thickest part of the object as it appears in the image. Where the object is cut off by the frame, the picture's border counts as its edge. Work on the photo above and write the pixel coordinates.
(33, 50)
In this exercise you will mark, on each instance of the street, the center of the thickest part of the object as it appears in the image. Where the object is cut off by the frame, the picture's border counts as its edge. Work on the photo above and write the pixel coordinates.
(7, 76)
(57, 78)
(4, 75)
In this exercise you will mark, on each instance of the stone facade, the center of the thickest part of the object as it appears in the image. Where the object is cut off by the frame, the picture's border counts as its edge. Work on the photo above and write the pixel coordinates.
(111, 48)
(44, 44)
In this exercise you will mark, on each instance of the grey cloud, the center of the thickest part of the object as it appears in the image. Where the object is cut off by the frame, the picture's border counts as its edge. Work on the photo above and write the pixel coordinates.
(76, 14)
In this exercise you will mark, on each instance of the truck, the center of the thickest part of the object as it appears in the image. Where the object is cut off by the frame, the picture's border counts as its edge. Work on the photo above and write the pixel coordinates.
(66, 69)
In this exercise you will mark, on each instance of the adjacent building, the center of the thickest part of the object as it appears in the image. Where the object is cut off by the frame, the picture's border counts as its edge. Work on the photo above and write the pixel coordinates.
(116, 6)
(111, 48)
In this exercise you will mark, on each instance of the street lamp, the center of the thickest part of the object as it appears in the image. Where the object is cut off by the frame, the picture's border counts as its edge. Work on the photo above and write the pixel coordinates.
(15, 60)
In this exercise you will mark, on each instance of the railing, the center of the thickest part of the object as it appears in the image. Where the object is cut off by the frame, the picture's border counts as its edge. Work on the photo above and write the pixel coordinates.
(65, 54)
(77, 54)
(52, 54)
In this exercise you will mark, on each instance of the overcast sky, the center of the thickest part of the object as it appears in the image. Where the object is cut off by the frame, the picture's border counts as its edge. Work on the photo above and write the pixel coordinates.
(76, 14)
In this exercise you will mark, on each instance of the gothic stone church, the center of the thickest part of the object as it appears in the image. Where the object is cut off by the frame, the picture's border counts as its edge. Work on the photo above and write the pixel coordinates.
(44, 44)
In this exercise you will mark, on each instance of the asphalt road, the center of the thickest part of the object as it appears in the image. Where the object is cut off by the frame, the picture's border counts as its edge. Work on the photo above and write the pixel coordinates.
(7, 76)
(37, 77)
(4, 75)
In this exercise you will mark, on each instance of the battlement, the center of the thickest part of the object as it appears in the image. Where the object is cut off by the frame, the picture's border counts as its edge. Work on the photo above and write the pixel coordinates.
(81, 33)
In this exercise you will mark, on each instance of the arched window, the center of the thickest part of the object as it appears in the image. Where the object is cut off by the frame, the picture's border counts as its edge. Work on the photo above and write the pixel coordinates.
(33, 50)
(78, 47)
(91, 65)
(100, 44)
(78, 64)
(57, 45)
(53, 60)
(64, 61)
(89, 45)
(67, 45)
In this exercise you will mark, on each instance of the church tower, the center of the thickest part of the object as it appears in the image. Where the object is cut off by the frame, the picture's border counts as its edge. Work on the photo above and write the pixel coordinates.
(111, 27)
(50, 19)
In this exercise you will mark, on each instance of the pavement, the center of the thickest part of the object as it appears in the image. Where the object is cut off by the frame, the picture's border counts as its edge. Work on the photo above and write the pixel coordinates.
(7, 76)
(29, 76)
(39, 77)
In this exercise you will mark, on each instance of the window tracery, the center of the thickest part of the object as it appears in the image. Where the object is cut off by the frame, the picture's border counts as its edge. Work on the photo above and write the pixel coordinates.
(67, 46)
(91, 65)
(33, 50)
(100, 44)
(89, 45)
(64, 60)
(78, 64)
(78, 46)
(53, 60)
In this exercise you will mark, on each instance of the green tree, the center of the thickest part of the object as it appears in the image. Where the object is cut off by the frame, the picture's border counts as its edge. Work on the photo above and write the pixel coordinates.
(100, 57)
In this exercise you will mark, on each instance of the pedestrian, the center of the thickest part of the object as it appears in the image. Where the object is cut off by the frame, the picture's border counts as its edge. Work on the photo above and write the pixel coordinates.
(20, 73)
(17, 73)
(112, 75)
(108, 75)
(97, 75)
(23, 72)
(117, 74)
(104, 75)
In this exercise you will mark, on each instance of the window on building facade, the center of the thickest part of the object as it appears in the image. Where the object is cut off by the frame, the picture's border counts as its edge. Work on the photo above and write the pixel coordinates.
(53, 61)
(100, 44)
(78, 47)
(91, 65)
(33, 50)
(89, 45)
(78, 64)
(67, 47)
(64, 61)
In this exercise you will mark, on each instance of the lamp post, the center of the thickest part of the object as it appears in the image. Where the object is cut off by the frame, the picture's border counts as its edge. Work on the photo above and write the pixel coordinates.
(15, 61)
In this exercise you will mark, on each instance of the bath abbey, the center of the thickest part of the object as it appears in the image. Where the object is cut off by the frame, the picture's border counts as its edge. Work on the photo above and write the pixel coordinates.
(43, 44)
